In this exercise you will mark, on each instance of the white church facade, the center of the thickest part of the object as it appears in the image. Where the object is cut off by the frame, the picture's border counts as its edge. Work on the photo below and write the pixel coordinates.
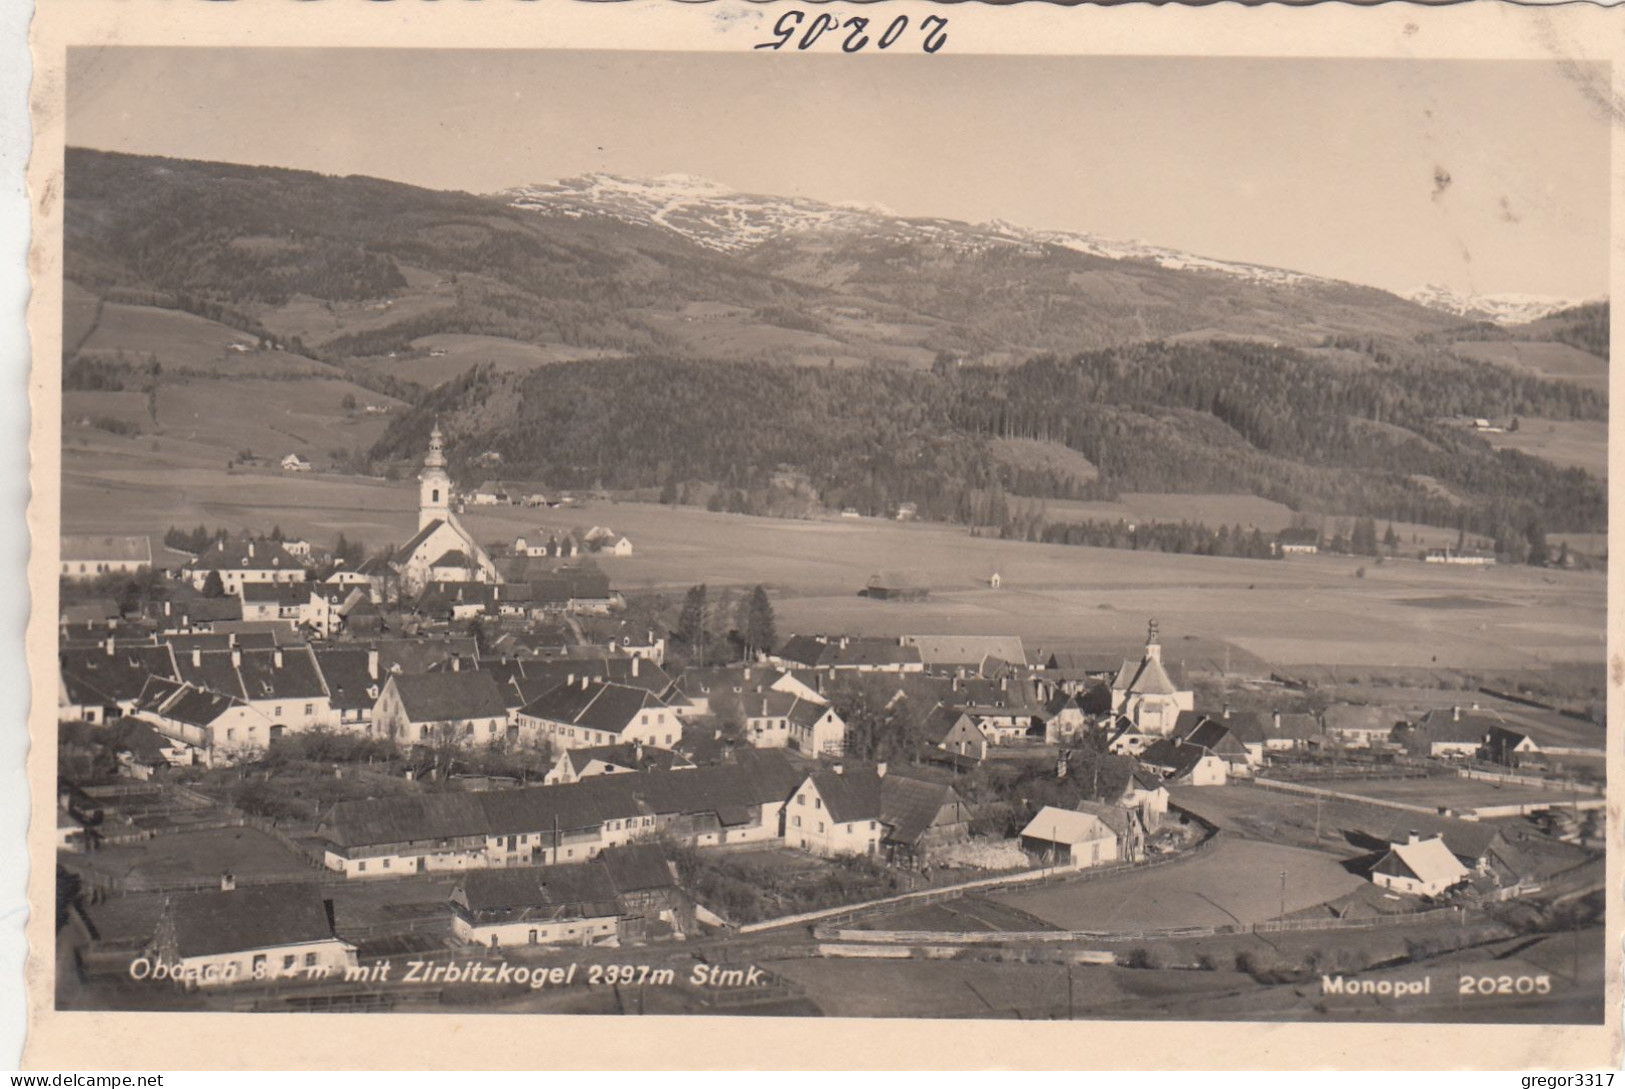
(442, 550)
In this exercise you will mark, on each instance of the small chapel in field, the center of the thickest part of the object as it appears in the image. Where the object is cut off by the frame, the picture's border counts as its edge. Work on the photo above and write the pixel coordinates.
(442, 550)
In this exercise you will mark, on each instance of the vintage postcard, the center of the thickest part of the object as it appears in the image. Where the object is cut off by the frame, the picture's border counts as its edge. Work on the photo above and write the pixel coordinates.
(872, 519)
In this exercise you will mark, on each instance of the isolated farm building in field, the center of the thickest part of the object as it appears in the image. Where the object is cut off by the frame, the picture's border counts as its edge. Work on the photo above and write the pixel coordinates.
(1069, 839)
(251, 935)
(88, 556)
(244, 559)
(897, 586)
(293, 463)
(1419, 867)
(1297, 542)
(1143, 692)
(1467, 558)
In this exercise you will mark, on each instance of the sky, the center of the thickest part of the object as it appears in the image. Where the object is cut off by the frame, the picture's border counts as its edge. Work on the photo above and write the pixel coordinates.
(1487, 177)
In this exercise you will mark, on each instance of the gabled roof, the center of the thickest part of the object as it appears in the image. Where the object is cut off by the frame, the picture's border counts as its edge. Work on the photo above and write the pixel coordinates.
(448, 696)
(344, 672)
(92, 676)
(183, 703)
(1456, 727)
(1428, 860)
(1146, 677)
(1302, 536)
(452, 557)
(246, 554)
(95, 548)
(909, 806)
(635, 757)
(637, 867)
(422, 535)
(607, 707)
(262, 917)
(143, 742)
(279, 593)
(849, 795)
(556, 890)
(1174, 757)
(968, 651)
(406, 818)
(1067, 826)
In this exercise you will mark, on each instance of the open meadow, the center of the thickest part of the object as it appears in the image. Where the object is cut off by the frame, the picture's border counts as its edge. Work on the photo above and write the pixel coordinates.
(1544, 358)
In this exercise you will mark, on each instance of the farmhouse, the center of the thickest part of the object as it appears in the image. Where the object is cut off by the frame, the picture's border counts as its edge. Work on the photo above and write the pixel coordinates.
(864, 811)
(1065, 718)
(956, 732)
(350, 675)
(1448, 733)
(101, 682)
(240, 560)
(1143, 692)
(589, 712)
(1297, 542)
(251, 935)
(860, 655)
(1419, 867)
(547, 905)
(895, 585)
(1185, 764)
(1467, 558)
(282, 684)
(962, 654)
(274, 600)
(574, 765)
(293, 463)
(1357, 726)
(1507, 746)
(144, 754)
(459, 707)
(1069, 839)
(89, 556)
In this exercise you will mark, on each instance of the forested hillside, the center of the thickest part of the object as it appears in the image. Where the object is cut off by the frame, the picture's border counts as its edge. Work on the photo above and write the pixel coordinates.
(1318, 434)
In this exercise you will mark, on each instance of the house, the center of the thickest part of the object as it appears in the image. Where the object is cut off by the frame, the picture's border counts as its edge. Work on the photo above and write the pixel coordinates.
(221, 728)
(734, 803)
(274, 600)
(1357, 726)
(1185, 764)
(293, 463)
(350, 675)
(144, 754)
(281, 683)
(620, 546)
(87, 555)
(243, 559)
(895, 585)
(1222, 735)
(1069, 839)
(1448, 733)
(589, 713)
(545, 905)
(954, 731)
(335, 606)
(103, 681)
(1143, 692)
(442, 549)
(1065, 719)
(1503, 745)
(865, 811)
(777, 719)
(574, 765)
(1467, 558)
(1301, 541)
(861, 655)
(966, 654)
(561, 546)
(250, 935)
(1483, 847)
(458, 707)
(1419, 867)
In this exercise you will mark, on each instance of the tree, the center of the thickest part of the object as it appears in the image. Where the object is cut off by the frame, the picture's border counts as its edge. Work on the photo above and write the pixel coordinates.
(691, 626)
(213, 586)
(1390, 540)
(756, 624)
(347, 402)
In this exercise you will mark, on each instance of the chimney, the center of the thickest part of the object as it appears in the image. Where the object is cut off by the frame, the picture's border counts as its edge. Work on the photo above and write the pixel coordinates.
(1412, 839)
(236, 659)
(372, 663)
(1275, 720)
(586, 682)
(276, 658)
(197, 657)
(1226, 712)
(637, 753)
(840, 769)
(880, 769)
(570, 679)
(109, 646)
(634, 666)
(168, 605)
(456, 664)
(231, 639)
(228, 881)
(1455, 714)
(250, 549)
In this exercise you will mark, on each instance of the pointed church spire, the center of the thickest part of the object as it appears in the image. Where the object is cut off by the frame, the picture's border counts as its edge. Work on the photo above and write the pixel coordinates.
(437, 449)
(1153, 649)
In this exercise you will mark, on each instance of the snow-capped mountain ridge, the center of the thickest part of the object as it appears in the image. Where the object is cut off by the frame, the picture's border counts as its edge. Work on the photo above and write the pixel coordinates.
(719, 218)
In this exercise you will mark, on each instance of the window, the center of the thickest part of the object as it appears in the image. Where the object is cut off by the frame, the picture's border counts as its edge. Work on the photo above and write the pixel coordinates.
(259, 964)
(795, 822)
(818, 803)
(231, 734)
(495, 941)
(643, 720)
(310, 960)
(361, 867)
(386, 863)
(279, 710)
(820, 827)
(310, 708)
(533, 937)
(287, 962)
(801, 799)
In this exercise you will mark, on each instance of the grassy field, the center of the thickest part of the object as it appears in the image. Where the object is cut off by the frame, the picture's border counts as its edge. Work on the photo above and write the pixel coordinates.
(1572, 444)
(1251, 614)
(1548, 359)
(1235, 881)
(1455, 793)
(183, 341)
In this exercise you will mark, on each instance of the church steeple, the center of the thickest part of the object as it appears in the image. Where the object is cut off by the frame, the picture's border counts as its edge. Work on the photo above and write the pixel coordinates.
(434, 488)
(1153, 648)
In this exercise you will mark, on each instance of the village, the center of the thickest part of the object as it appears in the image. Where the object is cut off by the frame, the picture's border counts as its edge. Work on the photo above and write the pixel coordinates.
(284, 773)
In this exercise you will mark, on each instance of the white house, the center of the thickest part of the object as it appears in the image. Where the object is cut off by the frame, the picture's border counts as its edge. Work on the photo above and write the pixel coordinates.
(1419, 867)
(457, 706)
(293, 463)
(88, 556)
(1070, 839)
(250, 935)
(589, 712)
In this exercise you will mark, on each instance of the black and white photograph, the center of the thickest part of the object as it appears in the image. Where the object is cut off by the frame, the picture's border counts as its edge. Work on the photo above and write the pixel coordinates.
(924, 536)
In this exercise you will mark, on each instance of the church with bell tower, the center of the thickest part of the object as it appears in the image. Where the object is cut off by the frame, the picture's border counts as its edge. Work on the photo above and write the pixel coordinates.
(442, 550)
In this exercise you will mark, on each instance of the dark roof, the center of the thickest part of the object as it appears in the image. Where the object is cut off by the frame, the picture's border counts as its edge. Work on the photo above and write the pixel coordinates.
(281, 593)
(637, 867)
(634, 757)
(245, 554)
(93, 676)
(406, 818)
(1448, 725)
(448, 695)
(818, 651)
(183, 703)
(910, 806)
(423, 534)
(262, 917)
(1299, 536)
(849, 795)
(897, 580)
(1176, 758)
(143, 742)
(607, 707)
(344, 670)
(551, 891)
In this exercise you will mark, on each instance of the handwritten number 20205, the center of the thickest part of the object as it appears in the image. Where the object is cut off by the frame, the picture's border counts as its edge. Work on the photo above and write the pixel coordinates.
(933, 27)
